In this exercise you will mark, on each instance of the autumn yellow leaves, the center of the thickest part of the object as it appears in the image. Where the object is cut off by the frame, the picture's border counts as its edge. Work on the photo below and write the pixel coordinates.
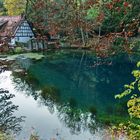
(15, 7)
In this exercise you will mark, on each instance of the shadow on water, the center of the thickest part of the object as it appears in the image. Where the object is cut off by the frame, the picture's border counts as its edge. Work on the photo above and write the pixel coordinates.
(80, 87)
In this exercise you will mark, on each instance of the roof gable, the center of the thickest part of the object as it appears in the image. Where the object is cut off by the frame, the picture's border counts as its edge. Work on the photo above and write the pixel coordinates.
(24, 30)
(2, 23)
(11, 22)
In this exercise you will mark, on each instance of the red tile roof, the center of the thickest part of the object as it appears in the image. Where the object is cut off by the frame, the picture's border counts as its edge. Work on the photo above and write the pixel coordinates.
(11, 26)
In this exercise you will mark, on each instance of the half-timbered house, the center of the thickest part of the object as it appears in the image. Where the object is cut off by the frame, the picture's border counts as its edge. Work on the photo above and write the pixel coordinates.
(15, 29)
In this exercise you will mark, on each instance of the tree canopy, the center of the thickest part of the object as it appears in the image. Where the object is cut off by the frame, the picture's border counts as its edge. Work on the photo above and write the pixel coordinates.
(15, 7)
(98, 24)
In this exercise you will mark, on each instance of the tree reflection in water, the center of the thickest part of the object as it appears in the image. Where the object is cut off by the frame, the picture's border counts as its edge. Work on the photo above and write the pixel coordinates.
(8, 122)
(74, 118)
(69, 110)
(69, 114)
(97, 76)
(23, 82)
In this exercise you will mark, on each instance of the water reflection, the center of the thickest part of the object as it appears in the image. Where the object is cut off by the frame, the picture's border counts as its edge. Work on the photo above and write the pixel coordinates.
(81, 92)
(75, 119)
(25, 83)
(72, 117)
(8, 121)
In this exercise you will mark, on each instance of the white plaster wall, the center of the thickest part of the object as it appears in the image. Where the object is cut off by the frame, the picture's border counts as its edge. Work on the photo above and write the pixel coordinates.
(22, 39)
(13, 41)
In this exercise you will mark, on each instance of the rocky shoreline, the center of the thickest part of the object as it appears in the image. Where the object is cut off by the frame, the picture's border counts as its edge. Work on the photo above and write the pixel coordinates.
(11, 65)
(18, 63)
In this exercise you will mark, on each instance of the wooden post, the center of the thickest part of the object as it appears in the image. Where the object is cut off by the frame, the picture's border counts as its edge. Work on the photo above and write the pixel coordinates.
(43, 44)
(31, 44)
(38, 44)
(83, 38)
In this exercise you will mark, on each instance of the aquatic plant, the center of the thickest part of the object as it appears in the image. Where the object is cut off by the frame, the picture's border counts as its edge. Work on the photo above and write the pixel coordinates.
(110, 120)
(93, 110)
(31, 79)
(120, 108)
(51, 93)
(72, 102)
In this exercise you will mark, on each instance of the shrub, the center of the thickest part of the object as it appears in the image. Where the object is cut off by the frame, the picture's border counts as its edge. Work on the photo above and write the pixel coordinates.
(132, 128)
(18, 50)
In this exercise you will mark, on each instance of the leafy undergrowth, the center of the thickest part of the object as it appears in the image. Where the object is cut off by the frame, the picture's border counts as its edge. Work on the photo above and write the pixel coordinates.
(132, 128)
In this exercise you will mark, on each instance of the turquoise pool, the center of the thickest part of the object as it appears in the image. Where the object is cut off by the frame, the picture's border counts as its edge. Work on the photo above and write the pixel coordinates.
(70, 94)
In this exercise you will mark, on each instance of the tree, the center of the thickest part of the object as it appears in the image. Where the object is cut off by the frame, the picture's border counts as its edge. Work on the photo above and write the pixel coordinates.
(121, 15)
(15, 7)
(2, 8)
(73, 20)
(96, 24)
(132, 128)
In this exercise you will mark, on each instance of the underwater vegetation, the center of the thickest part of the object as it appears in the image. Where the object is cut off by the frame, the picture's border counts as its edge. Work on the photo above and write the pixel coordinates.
(51, 93)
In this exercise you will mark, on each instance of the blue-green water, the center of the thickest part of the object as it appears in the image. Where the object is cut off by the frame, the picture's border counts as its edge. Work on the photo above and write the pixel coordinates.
(78, 99)
(83, 79)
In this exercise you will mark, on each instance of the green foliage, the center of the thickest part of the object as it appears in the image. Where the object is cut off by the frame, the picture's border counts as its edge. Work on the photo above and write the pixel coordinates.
(134, 106)
(93, 12)
(18, 50)
(134, 45)
(15, 7)
(81, 21)
(129, 130)
(2, 9)
(132, 129)
(138, 64)
(109, 120)
(118, 44)
(119, 14)
(130, 88)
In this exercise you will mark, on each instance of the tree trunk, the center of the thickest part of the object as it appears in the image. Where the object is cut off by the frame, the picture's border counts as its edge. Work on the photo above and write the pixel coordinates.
(83, 38)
